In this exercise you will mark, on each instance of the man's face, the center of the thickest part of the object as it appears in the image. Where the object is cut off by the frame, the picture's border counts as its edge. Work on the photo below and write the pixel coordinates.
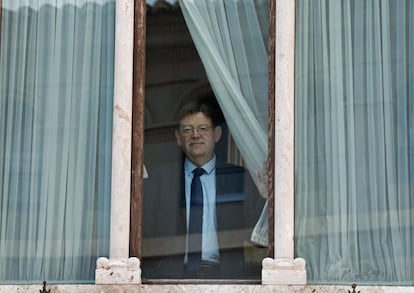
(197, 137)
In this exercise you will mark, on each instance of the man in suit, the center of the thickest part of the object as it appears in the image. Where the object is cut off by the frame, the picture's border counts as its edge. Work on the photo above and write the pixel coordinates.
(213, 228)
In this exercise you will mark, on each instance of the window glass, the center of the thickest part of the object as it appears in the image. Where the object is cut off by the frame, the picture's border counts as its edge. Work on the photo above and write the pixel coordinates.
(56, 93)
(195, 58)
(355, 141)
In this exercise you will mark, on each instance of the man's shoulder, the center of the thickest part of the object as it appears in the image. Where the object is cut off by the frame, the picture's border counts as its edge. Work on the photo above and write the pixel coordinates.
(225, 168)
(230, 182)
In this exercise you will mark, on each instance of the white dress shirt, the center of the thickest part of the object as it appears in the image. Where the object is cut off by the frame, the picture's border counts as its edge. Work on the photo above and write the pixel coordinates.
(210, 248)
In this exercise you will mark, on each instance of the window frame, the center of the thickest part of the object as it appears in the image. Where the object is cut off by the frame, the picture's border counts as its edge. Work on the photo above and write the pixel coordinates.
(137, 153)
(136, 205)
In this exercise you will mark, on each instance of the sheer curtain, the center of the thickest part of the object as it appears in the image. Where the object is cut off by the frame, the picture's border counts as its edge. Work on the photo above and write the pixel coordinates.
(56, 84)
(355, 141)
(231, 39)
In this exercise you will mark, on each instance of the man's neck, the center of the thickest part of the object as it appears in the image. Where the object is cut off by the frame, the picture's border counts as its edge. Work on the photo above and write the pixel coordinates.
(189, 165)
(200, 162)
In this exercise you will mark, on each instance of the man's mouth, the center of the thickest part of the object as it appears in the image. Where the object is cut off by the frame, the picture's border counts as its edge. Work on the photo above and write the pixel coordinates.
(196, 143)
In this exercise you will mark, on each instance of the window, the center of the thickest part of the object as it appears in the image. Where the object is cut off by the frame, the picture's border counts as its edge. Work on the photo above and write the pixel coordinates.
(175, 74)
(354, 141)
(56, 84)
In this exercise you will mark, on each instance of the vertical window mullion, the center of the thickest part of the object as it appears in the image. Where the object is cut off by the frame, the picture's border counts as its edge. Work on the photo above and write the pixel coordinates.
(138, 128)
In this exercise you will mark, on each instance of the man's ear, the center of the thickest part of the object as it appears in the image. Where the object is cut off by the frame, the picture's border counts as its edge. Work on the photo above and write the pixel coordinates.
(217, 133)
(177, 137)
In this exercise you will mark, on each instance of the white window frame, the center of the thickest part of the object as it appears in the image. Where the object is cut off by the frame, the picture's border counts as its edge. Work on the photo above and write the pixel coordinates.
(283, 268)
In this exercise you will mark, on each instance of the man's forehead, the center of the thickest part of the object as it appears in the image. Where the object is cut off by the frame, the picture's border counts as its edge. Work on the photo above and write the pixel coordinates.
(192, 118)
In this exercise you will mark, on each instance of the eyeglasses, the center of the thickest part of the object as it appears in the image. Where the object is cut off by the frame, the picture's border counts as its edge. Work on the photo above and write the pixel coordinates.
(189, 130)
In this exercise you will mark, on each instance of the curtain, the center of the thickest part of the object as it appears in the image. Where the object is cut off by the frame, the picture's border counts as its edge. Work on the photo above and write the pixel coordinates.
(355, 141)
(56, 85)
(231, 39)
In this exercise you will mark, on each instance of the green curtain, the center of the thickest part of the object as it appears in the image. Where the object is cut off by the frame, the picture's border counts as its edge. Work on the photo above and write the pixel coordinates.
(56, 93)
(354, 151)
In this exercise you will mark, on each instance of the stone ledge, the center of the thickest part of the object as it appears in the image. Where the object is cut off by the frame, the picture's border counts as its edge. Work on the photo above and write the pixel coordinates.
(283, 271)
(203, 288)
(118, 271)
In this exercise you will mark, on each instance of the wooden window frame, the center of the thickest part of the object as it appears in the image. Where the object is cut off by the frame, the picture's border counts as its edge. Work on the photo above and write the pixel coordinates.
(137, 156)
(136, 207)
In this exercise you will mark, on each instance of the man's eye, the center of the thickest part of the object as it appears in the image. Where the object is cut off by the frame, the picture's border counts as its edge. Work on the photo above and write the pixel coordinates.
(187, 130)
(203, 128)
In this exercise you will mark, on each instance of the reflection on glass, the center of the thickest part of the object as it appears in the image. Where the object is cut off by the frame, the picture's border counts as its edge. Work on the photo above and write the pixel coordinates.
(229, 140)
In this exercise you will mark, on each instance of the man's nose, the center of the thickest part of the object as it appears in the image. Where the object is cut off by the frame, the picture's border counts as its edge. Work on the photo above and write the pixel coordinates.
(195, 132)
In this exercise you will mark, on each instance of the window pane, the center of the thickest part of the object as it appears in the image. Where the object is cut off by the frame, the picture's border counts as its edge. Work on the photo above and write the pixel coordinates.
(179, 72)
(56, 84)
(355, 141)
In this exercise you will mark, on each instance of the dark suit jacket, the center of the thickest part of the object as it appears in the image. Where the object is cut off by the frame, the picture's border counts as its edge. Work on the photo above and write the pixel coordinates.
(238, 208)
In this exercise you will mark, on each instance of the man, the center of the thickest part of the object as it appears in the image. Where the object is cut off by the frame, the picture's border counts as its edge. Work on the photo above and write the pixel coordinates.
(216, 225)
(197, 134)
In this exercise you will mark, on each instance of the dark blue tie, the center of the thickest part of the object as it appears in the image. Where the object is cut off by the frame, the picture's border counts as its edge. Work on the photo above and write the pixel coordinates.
(196, 221)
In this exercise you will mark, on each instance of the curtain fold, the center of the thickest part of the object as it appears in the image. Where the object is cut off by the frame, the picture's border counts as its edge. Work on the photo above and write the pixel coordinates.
(232, 45)
(355, 141)
(56, 83)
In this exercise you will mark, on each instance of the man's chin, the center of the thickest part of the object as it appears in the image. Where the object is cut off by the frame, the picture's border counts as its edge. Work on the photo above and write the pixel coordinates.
(197, 150)
(197, 155)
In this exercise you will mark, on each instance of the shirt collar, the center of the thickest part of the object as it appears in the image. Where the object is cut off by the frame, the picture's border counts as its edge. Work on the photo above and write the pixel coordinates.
(208, 167)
